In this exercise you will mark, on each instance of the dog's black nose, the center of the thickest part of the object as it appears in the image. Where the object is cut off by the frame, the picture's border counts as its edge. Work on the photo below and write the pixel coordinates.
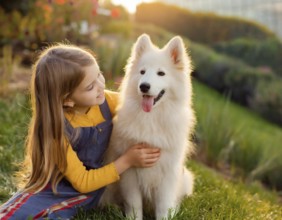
(144, 87)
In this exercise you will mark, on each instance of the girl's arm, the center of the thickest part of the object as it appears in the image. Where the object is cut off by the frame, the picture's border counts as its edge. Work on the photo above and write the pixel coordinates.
(138, 155)
(86, 181)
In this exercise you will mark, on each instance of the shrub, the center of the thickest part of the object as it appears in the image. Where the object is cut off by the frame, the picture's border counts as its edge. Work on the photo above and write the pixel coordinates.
(241, 82)
(52, 21)
(265, 54)
(267, 100)
(225, 74)
(257, 88)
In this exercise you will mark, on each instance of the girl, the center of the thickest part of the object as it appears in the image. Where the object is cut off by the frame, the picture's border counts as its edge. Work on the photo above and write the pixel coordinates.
(68, 135)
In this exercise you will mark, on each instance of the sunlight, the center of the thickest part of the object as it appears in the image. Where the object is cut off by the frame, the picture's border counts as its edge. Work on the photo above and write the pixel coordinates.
(130, 5)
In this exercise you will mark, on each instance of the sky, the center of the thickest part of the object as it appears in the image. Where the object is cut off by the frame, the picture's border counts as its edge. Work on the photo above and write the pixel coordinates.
(130, 5)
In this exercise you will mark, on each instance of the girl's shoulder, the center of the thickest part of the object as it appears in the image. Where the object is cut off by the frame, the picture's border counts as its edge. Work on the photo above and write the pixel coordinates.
(112, 99)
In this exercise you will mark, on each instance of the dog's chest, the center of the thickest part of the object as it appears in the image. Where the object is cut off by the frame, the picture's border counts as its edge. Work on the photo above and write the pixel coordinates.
(166, 168)
(158, 129)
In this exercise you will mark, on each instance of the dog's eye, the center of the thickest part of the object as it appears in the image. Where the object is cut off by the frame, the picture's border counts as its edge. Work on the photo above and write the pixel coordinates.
(142, 72)
(161, 73)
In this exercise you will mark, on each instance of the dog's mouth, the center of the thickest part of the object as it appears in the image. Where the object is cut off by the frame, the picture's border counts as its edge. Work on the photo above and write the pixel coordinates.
(149, 101)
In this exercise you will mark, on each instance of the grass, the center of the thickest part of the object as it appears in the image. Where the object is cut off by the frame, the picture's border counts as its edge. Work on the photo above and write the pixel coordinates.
(231, 135)
(214, 198)
(14, 115)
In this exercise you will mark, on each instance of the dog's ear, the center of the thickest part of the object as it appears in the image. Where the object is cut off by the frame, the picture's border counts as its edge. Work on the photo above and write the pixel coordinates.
(142, 44)
(176, 49)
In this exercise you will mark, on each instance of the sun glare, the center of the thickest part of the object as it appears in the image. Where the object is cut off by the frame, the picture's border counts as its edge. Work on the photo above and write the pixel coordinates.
(130, 5)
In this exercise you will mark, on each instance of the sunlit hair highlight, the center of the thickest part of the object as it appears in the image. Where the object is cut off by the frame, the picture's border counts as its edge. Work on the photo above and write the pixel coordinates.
(55, 75)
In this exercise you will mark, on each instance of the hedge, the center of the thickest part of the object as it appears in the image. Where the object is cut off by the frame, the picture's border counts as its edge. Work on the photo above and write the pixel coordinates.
(265, 54)
(253, 87)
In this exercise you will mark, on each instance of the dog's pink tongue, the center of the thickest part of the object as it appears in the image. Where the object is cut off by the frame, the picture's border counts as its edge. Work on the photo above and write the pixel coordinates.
(147, 103)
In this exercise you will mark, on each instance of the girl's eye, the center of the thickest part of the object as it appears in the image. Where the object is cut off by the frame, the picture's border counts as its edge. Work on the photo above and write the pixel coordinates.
(142, 72)
(90, 87)
(161, 73)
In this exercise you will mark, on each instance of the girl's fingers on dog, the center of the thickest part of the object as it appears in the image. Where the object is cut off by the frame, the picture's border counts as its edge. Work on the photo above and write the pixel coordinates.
(151, 162)
(147, 146)
(153, 155)
(149, 150)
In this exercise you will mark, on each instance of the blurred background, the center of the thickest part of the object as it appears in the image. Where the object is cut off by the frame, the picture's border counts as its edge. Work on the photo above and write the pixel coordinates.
(236, 50)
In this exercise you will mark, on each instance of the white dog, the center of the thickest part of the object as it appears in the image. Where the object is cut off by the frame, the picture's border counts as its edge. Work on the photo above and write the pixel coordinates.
(155, 108)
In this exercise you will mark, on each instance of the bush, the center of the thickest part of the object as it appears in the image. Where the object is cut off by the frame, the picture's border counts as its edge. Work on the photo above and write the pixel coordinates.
(267, 100)
(241, 82)
(264, 54)
(20, 5)
(257, 88)
(200, 27)
(52, 21)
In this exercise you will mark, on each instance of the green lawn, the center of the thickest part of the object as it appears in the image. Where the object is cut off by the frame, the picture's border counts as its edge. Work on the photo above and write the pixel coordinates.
(216, 198)
(14, 116)
(236, 138)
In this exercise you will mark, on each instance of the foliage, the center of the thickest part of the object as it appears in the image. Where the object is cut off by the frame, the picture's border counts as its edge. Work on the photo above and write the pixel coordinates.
(52, 21)
(199, 27)
(23, 6)
(239, 80)
(264, 54)
(268, 100)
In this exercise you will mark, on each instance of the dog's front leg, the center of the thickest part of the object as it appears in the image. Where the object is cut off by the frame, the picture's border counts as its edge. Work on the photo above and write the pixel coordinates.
(132, 195)
(166, 198)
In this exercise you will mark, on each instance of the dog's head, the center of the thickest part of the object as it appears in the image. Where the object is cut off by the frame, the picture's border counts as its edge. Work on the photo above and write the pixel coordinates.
(158, 73)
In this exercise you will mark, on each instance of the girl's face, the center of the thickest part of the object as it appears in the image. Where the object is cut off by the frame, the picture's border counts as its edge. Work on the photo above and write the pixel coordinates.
(90, 91)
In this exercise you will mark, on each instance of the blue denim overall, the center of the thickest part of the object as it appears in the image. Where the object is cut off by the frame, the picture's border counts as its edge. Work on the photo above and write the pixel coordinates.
(90, 147)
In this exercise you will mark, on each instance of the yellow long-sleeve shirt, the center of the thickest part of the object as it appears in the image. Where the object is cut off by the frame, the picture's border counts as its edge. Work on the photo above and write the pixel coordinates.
(84, 180)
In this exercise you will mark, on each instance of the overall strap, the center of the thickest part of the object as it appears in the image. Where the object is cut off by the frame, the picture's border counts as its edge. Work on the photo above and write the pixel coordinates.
(105, 110)
(68, 127)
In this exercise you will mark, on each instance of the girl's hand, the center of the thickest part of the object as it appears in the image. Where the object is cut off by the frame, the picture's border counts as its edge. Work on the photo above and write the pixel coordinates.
(139, 155)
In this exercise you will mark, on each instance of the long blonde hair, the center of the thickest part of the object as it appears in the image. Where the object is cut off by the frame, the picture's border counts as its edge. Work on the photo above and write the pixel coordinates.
(56, 74)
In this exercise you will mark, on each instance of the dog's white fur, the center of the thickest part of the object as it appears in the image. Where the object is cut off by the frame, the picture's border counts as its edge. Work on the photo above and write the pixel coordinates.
(167, 126)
